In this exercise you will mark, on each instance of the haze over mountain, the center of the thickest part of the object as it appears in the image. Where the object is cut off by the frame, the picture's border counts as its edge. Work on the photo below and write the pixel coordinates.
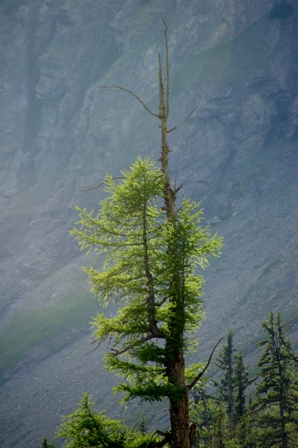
(237, 62)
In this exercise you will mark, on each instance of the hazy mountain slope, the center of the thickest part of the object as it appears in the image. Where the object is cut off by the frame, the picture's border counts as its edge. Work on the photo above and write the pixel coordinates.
(60, 133)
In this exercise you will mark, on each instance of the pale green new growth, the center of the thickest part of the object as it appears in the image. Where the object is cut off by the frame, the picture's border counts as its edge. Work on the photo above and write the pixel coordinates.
(150, 271)
(86, 428)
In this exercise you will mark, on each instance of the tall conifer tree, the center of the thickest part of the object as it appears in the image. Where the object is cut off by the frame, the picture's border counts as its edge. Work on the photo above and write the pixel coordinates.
(152, 250)
(235, 380)
(277, 392)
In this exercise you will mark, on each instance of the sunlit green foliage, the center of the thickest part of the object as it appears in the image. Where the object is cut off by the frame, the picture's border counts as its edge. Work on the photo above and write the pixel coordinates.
(86, 428)
(149, 271)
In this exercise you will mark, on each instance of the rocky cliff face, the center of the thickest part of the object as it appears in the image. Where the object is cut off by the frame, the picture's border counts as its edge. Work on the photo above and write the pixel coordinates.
(237, 62)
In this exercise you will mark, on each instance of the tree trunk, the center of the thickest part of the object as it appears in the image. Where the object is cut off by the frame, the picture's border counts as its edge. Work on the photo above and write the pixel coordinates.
(179, 408)
(181, 434)
(284, 437)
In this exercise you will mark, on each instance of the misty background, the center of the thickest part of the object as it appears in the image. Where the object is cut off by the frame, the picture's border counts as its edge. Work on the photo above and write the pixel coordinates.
(237, 62)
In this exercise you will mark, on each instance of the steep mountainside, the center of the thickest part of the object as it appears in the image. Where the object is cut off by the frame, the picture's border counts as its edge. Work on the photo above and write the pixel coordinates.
(237, 62)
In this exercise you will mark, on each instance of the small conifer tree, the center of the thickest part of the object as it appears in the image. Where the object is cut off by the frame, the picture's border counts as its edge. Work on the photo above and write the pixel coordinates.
(241, 382)
(233, 385)
(241, 379)
(277, 392)
(225, 361)
(86, 428)
(142, 425)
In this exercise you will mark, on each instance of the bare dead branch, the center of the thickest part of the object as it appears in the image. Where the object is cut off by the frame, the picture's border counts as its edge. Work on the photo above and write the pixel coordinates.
(167, 69)
(93, 342)
(175, 181)
(164, 22)
(161, 114)
(102, 183)
(182, 122)
(129, 347)
(162, 301)
(177, 189)
(163, 442)
(193, 383)
(161, 433)
(133, 94)
(152, 435)
(166, 438)
(93, 188)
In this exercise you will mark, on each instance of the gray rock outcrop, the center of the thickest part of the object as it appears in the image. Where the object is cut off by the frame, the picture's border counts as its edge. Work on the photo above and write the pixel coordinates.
(237, 62)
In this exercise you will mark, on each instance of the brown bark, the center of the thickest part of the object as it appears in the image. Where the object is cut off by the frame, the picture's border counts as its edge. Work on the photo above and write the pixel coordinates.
(180, 436)
(179, 408)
